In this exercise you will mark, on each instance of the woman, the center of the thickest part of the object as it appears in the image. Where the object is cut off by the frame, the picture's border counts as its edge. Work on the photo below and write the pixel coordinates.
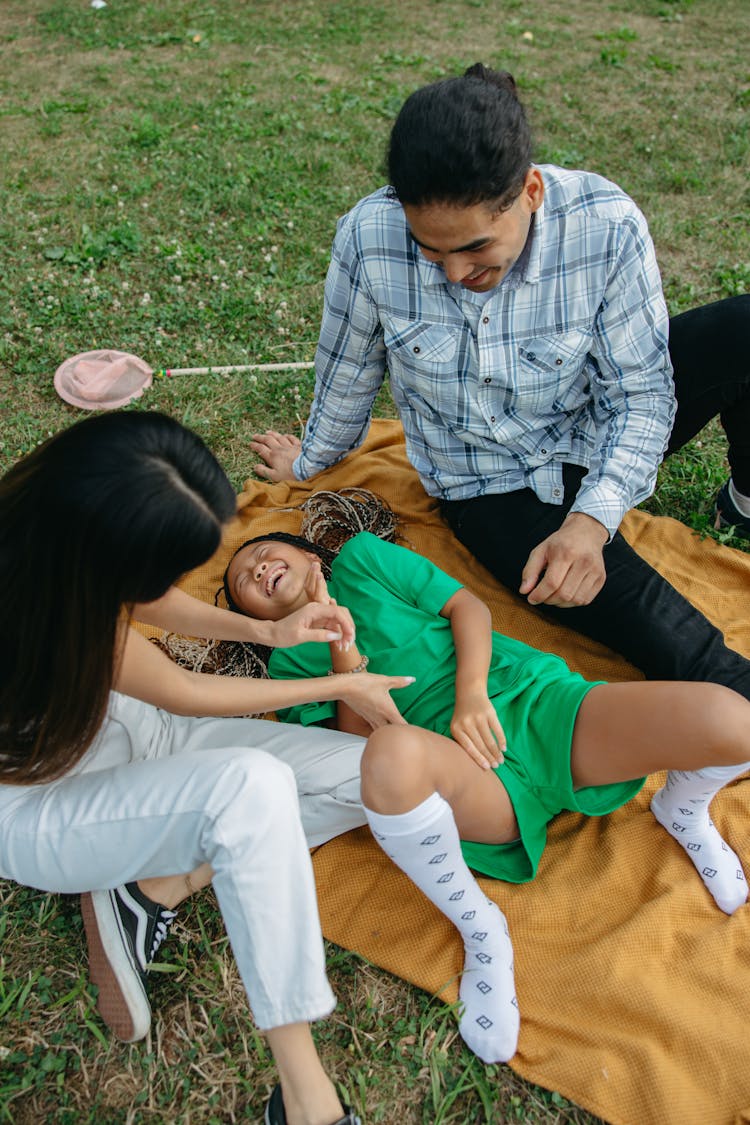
(108, 783)
(513, 738)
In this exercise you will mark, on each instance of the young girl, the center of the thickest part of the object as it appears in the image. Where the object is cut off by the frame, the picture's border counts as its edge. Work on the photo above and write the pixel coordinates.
(108, 786)
(513, 738)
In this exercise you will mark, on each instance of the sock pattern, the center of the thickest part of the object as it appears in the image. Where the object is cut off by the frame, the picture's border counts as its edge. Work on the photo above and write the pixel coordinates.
(425, 844)
(681, 807)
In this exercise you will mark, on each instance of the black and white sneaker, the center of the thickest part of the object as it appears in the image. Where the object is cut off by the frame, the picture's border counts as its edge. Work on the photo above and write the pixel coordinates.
(727, 515)
(275, 1114)
(124, 930)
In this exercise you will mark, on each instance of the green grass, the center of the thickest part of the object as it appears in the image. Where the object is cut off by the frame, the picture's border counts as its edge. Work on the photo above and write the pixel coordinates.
(171, 178)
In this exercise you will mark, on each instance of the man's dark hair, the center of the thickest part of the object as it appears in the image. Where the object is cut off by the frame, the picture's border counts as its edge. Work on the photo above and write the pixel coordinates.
(461, 141)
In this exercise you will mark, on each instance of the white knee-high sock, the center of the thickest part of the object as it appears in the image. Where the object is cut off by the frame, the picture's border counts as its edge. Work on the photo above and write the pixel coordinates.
(682, 808)
(424, 843)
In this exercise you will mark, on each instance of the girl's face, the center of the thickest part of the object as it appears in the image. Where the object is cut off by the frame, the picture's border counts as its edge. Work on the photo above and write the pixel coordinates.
(267, 579)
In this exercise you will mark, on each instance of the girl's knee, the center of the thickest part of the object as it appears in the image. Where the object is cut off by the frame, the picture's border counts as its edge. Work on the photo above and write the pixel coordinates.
(395, 758)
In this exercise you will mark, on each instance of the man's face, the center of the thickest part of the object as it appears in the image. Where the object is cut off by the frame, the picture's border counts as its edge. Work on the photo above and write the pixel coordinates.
(476, 245)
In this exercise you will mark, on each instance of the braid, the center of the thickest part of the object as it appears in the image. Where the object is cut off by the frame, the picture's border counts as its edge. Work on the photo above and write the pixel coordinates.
(330, 518)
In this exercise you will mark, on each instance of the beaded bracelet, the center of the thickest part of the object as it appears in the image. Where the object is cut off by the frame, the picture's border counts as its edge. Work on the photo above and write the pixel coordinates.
(350, 671)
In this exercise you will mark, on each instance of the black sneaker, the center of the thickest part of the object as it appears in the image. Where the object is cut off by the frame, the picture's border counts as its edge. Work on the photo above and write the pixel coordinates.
(275, 1114)
(728, 516)
(124, 929)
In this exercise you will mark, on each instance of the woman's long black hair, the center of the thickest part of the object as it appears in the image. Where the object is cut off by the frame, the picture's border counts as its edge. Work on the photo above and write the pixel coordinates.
(104, 515)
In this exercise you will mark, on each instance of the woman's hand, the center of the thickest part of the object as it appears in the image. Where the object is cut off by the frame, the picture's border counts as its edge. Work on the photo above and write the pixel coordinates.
(369, 695)
(477, 730)
(314, 622)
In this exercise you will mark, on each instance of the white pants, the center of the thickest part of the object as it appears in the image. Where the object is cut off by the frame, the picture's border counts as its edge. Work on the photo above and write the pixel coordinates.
(159, 794)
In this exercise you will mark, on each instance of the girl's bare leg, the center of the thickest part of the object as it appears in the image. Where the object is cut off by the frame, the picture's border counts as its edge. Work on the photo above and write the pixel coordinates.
(628, 730)
(402, 766)
(416, 786)
(700, 733)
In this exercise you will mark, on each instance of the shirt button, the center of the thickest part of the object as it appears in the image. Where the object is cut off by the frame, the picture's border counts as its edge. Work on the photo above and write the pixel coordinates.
(417, 350)
(558, 361)
(543, 451)
(556, 492)
(485, 320)
(492, 418)
(532, 357)
(488, 380)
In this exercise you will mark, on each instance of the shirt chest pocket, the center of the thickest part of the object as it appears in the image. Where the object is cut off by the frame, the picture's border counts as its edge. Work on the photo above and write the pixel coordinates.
(551, 373)
(555, 353)
(419, 349)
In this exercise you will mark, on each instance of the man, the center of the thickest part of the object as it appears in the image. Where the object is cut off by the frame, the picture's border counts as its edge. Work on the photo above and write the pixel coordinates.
(520, 314)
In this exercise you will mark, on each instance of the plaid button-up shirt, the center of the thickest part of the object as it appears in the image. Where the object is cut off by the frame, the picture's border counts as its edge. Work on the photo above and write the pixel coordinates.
(565, 361)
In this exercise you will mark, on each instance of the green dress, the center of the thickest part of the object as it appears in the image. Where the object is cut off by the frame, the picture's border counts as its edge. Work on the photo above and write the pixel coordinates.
(395, 597)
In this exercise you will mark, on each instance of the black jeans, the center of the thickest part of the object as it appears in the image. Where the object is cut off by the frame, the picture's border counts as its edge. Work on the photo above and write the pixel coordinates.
(637, 612)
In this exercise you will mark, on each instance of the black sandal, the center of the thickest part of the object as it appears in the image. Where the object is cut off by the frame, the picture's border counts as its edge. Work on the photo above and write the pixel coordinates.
(275, 1114)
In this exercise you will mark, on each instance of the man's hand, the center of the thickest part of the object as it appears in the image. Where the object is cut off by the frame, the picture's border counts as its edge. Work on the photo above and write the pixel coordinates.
(279, 452)
(567, 568)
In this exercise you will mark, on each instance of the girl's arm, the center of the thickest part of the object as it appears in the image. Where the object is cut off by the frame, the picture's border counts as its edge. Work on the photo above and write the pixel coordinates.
(475, 725)
(178, 612)
(146, 673)
(345, 661)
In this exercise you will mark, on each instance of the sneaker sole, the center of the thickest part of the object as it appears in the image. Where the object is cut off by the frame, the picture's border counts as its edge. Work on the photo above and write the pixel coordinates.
(122, 1001)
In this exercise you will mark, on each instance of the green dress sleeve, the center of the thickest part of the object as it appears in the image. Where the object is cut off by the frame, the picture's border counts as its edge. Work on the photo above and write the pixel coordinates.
(395, 597)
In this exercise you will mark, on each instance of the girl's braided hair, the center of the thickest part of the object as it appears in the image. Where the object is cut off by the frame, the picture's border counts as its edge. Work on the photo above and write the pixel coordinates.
(329, 520)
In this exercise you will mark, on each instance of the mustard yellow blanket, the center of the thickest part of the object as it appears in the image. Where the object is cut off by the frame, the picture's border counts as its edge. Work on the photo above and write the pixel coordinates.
(634, 989)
